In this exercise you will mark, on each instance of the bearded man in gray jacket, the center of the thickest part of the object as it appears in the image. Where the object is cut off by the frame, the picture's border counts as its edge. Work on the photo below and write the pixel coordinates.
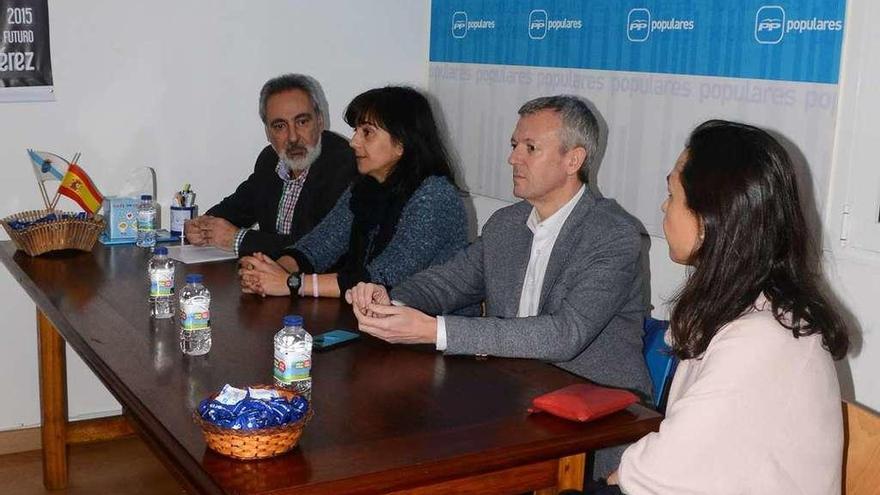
(559, 273)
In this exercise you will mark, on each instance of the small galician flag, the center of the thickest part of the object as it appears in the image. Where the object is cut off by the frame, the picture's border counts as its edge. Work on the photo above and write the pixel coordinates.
(77, 186)
(48, 166)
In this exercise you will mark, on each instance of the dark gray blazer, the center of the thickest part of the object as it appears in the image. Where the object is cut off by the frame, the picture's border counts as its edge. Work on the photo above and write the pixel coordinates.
(591, 309)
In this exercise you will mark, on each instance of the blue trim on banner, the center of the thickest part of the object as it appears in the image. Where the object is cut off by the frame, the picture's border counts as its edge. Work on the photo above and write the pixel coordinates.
(789, 40)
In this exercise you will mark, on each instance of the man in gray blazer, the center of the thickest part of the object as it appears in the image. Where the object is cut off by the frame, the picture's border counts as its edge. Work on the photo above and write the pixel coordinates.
(559, 272)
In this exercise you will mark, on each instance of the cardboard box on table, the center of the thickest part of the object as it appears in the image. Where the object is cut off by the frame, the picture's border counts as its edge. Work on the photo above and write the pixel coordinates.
(120, 213)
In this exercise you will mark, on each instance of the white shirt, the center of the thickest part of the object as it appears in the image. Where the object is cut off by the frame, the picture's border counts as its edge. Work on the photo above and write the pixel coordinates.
(544, 237)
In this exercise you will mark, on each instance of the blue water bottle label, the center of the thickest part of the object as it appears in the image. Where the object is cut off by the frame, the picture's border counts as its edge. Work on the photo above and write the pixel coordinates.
(291, 366)
(161, 283)
(194, 314)
(145, 223)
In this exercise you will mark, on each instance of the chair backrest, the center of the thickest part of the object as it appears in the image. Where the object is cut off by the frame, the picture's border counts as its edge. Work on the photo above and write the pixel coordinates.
(658, 356)
(861, 455)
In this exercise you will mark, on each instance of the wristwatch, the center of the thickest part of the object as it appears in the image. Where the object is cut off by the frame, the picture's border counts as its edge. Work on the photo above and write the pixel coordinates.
(294, 282)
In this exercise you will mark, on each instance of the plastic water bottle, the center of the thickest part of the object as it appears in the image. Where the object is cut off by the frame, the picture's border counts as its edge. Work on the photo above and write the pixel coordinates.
(293, 357)
(161, 273)
(195, 317)
(146, 222)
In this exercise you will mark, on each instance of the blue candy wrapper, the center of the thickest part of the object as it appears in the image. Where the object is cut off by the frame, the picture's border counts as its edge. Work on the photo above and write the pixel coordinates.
(225, 423)
(299, 404)
(281, 409)
(252, 409)
(251, 420)
(51, 217)
(214, 411)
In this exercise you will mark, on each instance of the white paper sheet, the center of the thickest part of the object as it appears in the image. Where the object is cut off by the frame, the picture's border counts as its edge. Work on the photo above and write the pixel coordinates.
(198, 254)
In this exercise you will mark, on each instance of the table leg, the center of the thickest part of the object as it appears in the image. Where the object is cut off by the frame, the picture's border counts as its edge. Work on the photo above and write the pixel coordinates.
(570, 475)
(571, 472)
(53, 403)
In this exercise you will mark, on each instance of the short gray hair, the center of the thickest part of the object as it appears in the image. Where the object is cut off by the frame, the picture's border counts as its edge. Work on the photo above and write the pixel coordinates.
(579, 126)
(288, 82)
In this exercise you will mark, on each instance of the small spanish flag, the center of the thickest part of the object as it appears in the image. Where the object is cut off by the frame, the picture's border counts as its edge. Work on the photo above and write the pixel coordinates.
(79, 187)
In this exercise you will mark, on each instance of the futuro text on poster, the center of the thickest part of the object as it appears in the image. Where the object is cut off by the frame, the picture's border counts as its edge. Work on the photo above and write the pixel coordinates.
(25, 59)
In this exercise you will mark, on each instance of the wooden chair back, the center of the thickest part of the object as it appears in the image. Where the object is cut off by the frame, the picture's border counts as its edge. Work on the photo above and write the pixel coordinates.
(861, 457)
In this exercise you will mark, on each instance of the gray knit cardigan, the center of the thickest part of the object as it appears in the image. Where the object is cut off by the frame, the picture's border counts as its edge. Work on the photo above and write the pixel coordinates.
(432, 227)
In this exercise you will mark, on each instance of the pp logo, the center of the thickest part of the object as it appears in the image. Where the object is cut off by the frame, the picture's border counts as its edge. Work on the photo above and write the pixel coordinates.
(769, 23)
(638, 25)
(537, 24)
(459, 24)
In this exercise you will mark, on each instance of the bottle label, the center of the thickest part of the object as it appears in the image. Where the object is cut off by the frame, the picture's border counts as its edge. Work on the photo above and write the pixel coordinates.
(292, 366)
(194, 313)
(145, 222)
(161, 283)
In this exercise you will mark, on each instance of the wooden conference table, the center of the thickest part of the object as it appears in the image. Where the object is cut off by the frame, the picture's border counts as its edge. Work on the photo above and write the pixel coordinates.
(387, 418)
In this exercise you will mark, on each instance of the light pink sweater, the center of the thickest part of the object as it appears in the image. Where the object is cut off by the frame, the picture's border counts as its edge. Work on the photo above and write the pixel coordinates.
(759, 413)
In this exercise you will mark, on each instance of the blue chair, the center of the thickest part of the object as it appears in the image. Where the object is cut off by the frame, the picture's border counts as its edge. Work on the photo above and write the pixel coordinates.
(658, 356)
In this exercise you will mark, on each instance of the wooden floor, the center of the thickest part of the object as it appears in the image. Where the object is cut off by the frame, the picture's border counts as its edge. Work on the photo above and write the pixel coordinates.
(123, 466)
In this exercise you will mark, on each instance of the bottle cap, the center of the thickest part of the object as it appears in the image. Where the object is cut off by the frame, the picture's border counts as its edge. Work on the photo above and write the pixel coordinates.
(146, 197)
(161, 250)
(293, 321)
(194, 278)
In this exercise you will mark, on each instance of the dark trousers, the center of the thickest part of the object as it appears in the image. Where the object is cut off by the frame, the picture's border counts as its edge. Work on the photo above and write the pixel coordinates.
(595, 488)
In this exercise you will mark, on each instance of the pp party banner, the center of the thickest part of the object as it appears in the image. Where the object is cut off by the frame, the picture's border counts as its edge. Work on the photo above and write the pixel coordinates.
(653, 70)
(25, 60)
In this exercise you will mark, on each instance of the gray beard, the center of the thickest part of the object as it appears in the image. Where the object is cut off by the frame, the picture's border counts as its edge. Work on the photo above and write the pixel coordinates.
(299, 164)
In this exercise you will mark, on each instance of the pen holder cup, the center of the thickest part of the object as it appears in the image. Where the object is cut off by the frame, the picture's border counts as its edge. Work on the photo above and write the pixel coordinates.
(179, 215)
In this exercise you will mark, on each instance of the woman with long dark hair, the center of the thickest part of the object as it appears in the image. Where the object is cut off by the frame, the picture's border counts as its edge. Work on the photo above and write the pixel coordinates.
(754, 406)
(401, 216)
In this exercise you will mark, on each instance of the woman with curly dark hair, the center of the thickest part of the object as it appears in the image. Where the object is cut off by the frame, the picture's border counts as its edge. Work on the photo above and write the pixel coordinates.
(754, 406)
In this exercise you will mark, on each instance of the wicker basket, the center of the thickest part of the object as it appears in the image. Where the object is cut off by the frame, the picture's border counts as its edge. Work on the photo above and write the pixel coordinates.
(65, 233)
(254, 444)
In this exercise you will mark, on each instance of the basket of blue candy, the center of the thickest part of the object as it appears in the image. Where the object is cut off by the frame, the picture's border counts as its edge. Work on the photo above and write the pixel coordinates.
(253, 423)
(40, 231)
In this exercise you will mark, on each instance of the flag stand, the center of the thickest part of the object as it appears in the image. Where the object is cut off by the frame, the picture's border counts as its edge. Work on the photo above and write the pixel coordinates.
(49, 206)
(55, 200)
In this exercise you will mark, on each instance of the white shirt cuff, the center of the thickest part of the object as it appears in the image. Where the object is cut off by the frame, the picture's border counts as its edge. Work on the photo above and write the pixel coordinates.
(238, 239)
(441, 328)
(441, 333)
